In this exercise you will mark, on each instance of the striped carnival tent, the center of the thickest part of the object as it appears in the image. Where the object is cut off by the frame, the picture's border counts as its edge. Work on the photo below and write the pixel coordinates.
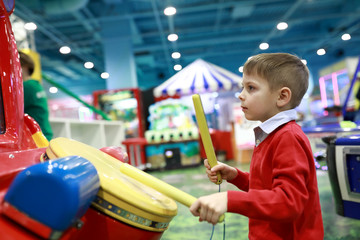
(198, 77)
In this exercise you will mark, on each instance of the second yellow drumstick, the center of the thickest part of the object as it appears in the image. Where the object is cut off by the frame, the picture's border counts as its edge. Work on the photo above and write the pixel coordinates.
(164, 188)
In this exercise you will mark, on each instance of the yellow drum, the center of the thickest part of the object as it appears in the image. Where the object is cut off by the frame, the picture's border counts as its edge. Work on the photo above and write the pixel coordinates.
(120, 196)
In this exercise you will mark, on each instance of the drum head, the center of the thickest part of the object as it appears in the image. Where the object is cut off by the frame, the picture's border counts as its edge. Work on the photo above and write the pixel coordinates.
(120, 196)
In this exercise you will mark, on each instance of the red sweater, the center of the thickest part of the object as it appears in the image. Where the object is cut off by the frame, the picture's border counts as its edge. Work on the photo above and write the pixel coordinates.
(280, 195)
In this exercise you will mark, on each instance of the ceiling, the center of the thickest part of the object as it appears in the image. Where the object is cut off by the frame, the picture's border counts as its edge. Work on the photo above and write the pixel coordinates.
(222, 32)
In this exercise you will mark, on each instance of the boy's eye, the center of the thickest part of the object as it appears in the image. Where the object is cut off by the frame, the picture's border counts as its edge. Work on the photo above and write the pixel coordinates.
(250, 87)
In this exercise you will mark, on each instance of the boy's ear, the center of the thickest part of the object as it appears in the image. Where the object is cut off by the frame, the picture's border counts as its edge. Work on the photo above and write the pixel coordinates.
(284, 97)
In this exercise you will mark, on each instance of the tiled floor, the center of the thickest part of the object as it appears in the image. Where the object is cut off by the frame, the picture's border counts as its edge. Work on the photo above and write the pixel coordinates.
(194, 181)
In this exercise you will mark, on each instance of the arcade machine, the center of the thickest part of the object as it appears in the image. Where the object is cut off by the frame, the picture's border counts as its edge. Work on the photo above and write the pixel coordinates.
(335, 109)
(123, 105)
(65, 189)
(173, 139)
(343, 161)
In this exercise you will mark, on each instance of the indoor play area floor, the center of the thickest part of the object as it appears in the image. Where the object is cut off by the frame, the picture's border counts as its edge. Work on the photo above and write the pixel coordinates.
(194, 181)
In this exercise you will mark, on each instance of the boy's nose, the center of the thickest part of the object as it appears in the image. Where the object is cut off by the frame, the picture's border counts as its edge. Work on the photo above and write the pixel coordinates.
(241, 95)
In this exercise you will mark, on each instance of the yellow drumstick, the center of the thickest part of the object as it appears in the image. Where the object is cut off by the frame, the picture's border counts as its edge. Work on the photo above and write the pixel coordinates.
(205, 135)
(161, 186)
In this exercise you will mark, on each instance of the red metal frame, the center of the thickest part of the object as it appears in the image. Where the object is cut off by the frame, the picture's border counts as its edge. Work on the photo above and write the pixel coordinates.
(16, 136)
(135, 147)
(18, 151)
(11, 212)
(99, 226)
(163, 97)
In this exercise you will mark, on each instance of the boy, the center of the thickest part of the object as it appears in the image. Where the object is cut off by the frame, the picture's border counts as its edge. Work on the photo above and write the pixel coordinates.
(280, 195)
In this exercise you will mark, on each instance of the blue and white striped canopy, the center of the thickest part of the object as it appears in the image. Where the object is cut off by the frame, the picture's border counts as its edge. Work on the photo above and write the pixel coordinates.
(199, 77)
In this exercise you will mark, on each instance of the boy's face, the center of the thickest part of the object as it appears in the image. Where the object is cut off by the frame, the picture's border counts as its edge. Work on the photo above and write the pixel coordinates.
(258, 102)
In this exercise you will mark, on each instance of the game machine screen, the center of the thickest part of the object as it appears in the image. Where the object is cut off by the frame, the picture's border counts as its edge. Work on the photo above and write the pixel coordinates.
(123, 105)
(173, 139)
(333, 90)
(338, 88)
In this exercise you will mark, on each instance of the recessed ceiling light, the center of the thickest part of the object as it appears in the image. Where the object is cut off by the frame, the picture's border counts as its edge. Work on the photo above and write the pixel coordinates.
(88, 65)
(346, 37)
(282, 26)
(264, 46)
(175, 55)
(172, 37)
(53, 90)
(304, 61)
(65, 50)
(177, 67)
(105, 75)
(169, 11)
(321, 52)
(241, 69)
(30, 26)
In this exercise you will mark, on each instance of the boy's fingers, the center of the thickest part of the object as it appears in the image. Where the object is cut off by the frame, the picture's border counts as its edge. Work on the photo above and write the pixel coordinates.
(203, 214)
(214, 179)
(206, 164)
(217, 168)
(194, 208)
(215, 219)
(210, 173)
(208, 215)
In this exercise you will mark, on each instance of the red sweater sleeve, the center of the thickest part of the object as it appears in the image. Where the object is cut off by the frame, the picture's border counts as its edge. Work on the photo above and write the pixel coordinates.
(241, 180)
(279, 174)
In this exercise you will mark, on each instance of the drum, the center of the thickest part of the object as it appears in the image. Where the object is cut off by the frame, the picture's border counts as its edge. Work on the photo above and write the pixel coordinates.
(120, 197)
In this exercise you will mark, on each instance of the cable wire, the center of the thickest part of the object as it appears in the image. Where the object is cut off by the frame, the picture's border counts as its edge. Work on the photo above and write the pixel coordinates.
(213, 227)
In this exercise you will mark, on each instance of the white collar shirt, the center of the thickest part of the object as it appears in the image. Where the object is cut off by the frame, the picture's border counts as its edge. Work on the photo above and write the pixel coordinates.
(265, 128)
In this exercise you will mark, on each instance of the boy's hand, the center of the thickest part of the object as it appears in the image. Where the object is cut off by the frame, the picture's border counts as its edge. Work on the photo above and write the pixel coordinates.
(227, 172)
(210, 207)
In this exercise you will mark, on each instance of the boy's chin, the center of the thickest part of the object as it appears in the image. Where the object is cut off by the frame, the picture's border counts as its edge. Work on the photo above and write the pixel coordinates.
(249, 118)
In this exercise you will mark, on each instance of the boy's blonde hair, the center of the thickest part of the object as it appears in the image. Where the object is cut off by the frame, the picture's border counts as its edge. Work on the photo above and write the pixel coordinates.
(281, 70)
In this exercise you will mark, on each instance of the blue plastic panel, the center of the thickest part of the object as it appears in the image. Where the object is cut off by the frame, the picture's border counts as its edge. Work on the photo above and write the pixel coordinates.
(334, 128)
(353, 172)
(55, 193)
(329, 128)
(348, 140)
(352, 209)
